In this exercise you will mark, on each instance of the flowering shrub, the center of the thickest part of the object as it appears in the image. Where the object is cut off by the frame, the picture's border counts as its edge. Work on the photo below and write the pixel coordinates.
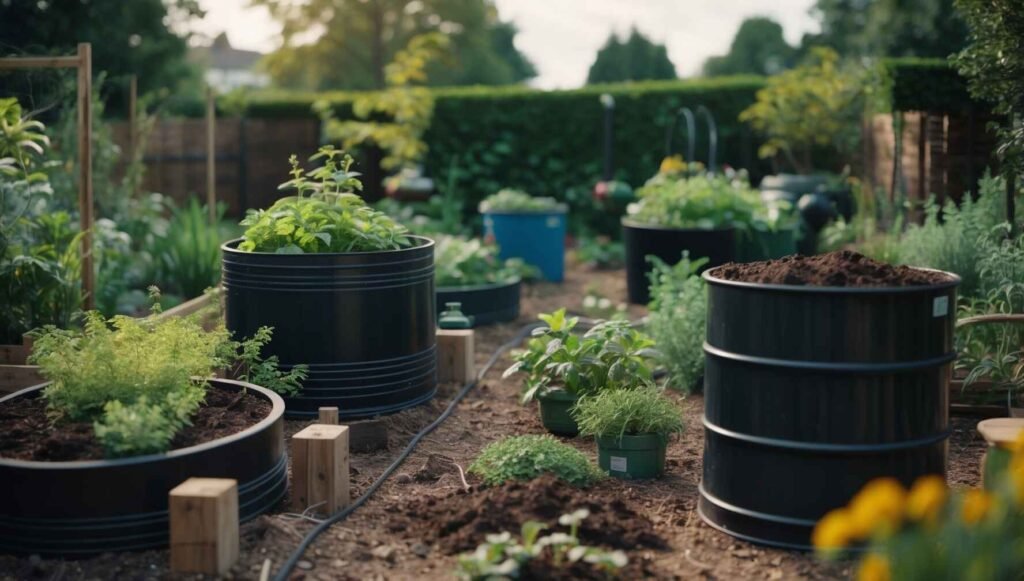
(930, 532)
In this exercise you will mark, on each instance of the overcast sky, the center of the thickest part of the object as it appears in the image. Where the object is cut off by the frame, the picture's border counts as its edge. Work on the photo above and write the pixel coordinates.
(561, 37)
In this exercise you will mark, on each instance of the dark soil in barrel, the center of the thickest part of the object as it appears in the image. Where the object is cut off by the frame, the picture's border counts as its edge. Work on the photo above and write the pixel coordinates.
(26, 433)
(460, 521)
(843, 268)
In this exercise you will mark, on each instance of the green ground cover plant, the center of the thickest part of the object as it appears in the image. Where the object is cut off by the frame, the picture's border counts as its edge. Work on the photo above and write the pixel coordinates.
(512, 200)
(325, 215)
(620, 412)
(462, 261)
(703, 201)
(527, 457)
(676, 319)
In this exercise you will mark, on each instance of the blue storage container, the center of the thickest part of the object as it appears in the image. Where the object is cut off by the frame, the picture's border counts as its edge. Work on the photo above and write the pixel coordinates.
(536, 237)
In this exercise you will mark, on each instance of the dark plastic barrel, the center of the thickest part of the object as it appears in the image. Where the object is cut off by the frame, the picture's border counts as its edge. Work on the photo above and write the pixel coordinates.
(486, 303)
(811, 392)
(668, 244)
(82, 508)
(364, 323)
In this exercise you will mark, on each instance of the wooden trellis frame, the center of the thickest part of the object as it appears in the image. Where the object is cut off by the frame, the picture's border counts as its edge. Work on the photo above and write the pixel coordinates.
(82, 61)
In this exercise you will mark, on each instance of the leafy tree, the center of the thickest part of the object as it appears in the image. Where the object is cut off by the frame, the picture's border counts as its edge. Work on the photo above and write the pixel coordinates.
(876, 28)
(635, 59)
(758, 48)
(127, 38)
(359, 38)
(994, 66)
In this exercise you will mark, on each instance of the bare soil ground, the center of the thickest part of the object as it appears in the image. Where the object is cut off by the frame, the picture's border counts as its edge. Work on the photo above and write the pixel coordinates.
(424, 514)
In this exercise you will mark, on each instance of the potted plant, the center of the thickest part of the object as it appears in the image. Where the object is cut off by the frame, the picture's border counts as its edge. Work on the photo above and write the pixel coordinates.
(347, 289)
(562, 368)
(469, 272)
(528, 227)
(699, 214)
(632, 427)
(131, 411)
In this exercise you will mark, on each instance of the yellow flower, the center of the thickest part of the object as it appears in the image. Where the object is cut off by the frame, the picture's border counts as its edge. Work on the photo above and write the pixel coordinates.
(1016, 471)
(976, 506)
(874, 568)
(926, 499)
(672, 164)
(878, 508)
(832, 531)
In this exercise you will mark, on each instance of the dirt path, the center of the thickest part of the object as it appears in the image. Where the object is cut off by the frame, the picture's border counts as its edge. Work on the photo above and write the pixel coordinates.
(391, 537)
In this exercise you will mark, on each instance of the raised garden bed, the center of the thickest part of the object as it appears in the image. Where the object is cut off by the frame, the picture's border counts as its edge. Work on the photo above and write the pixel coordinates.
(718, 245)
(70, 502)
(485, 303)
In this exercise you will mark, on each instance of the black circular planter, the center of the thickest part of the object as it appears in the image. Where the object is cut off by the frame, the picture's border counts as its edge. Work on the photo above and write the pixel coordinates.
(642, 240)
(82, 508)
(811, 392)
(364, 323)
(486, 303)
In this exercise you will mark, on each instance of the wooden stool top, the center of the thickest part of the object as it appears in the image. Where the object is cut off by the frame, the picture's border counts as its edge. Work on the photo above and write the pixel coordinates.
(1001, 432)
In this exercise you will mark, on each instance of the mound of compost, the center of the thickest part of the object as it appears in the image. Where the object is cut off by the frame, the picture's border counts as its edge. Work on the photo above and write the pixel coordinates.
(26, 433)
(843, 268)
(459, 522)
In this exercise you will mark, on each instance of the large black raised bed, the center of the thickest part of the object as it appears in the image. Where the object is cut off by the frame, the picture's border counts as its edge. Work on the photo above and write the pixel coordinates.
(364, 323)
(643, 240)
(81, 508)
(486, 303)
(810, 392)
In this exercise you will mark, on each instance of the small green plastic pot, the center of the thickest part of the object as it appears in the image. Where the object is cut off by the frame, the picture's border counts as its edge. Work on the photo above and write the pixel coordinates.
(632, 457)
(555, 413)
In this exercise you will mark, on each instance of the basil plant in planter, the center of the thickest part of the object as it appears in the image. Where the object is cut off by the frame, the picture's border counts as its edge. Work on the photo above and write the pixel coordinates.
(348, 291)
(469, 272)
(563, 368)
(528, 227)
(632, 428)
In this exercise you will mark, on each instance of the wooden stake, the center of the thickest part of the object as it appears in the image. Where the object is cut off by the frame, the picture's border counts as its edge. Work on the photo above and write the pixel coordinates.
(211, 145)
(204, 525)
(329, 416)
(85, 203)
(320, 468)
(455, 355)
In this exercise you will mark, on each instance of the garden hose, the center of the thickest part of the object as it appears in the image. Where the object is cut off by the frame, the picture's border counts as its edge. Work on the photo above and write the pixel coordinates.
(293, 559)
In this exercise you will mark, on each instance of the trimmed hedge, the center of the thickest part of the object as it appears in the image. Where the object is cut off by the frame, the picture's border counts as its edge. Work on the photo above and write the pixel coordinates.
(550, 142)
(931, 85)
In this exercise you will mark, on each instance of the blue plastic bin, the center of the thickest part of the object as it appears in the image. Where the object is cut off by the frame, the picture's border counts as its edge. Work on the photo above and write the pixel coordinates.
(536, 237)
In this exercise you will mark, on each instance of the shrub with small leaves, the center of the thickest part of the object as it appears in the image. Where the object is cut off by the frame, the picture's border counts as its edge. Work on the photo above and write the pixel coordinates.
(509, 200)
(325, 215)
(677, 320)
(527, 457)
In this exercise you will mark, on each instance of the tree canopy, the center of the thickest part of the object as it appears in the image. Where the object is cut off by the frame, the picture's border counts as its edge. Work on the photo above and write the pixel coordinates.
(635, 59)
(353, 40)
(758, 48)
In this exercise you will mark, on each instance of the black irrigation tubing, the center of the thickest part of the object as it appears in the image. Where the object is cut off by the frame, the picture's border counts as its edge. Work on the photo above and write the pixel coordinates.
(293, 559)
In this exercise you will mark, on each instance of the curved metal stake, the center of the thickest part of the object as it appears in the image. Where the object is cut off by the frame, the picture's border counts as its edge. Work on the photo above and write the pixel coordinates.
(712, 136)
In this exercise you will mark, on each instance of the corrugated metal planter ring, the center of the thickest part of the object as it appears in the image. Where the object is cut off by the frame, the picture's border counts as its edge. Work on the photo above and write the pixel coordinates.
(82, 508)
(364, 323)
(486, 303)
(811, 392)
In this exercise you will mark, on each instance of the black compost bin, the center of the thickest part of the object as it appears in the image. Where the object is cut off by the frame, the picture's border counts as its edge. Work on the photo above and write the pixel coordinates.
(486, 303)
(83, 508)
(811, 392)
(364, 323)
(642, 240)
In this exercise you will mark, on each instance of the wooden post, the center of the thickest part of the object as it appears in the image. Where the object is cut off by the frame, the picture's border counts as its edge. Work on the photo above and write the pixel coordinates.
(320, 468)
(204, 525)
(211, 153)
(329, 416)
(455, 356)
(85, 204)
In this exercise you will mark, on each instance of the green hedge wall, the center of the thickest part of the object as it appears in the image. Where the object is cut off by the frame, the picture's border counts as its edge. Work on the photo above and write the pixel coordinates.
(550, 142)
(932, 85)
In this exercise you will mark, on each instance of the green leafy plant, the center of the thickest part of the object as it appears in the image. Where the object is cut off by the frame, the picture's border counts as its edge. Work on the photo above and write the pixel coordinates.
(527, 457)
(631, 412)
(511, 200)
(324, 216)
(611, 355)
(501, 557)
(253, 367)
(601, 252)
(677, 319)
(187, 257)
(703, 201)
(465, 262)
